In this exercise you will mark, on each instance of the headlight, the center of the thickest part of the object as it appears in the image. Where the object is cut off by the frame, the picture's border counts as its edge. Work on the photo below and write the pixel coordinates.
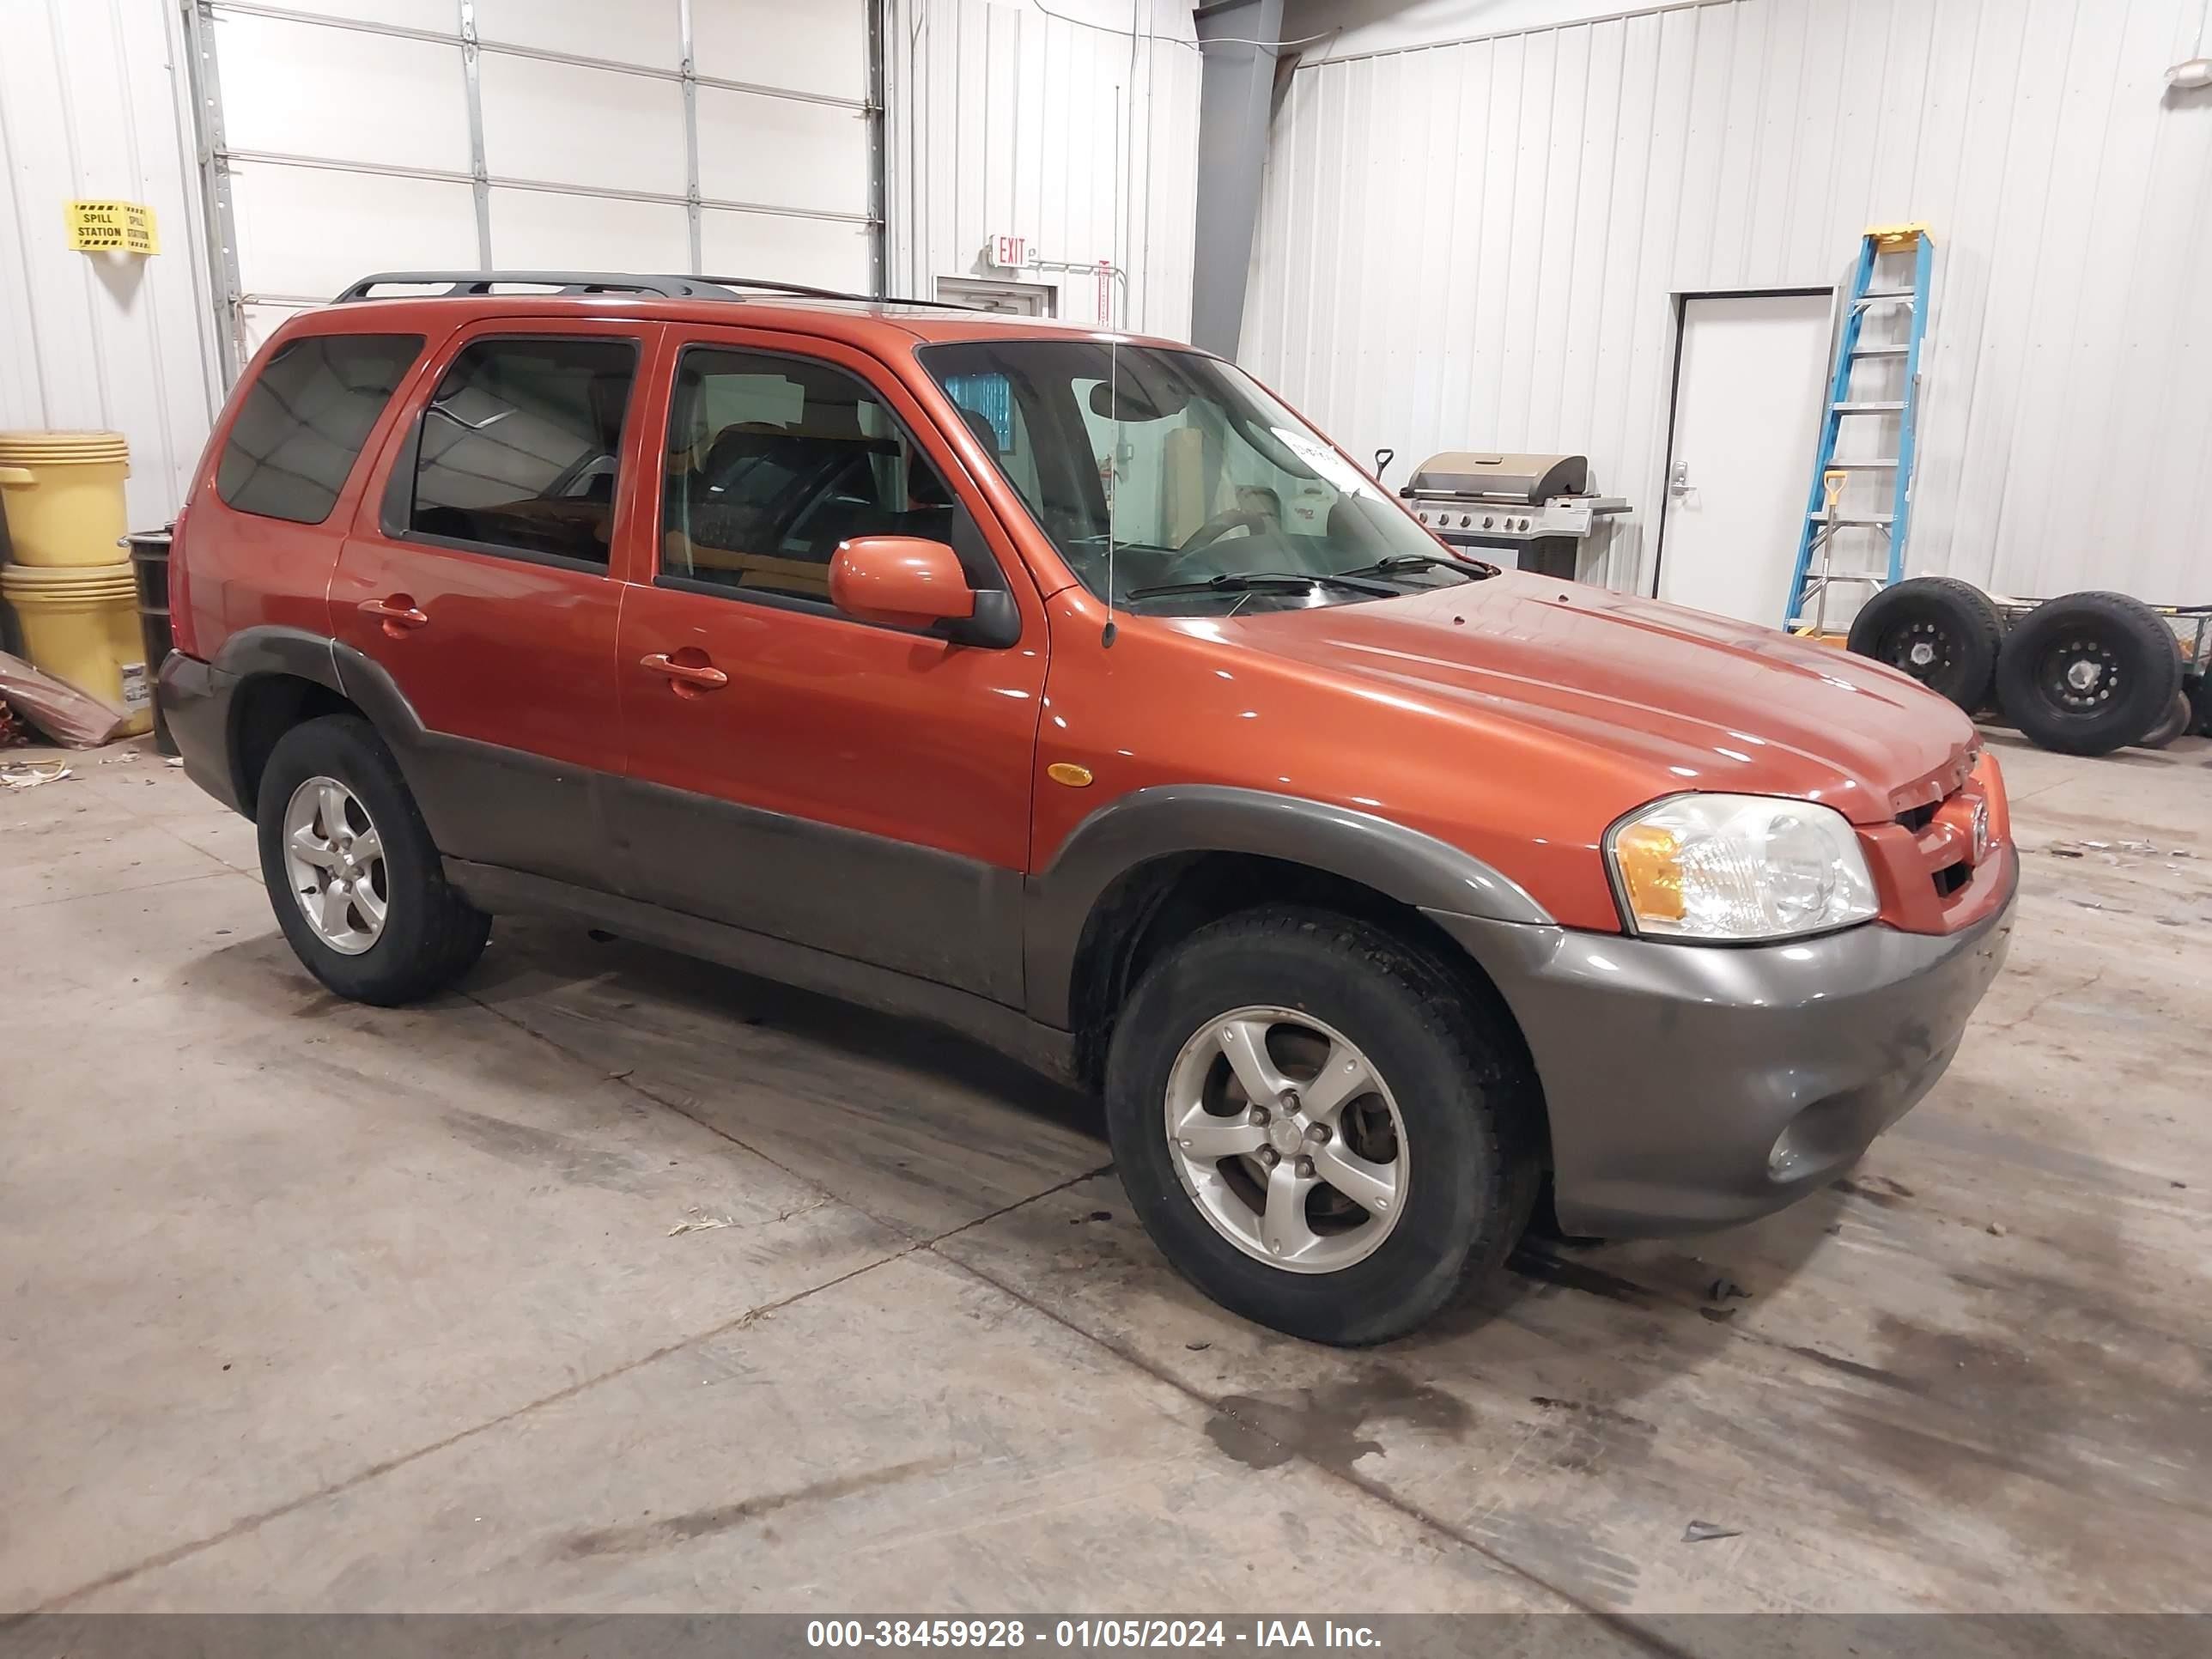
(1739, 867)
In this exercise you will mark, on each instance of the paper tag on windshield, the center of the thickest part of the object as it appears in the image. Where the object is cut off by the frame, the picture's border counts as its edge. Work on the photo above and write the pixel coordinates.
(1329, 466)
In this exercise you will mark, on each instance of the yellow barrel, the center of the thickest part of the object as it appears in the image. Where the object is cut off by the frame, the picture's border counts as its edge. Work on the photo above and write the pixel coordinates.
(63, 495)
(80, 624)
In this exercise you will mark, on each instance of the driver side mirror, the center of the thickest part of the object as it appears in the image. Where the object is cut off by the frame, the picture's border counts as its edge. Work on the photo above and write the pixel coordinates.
(906, 581)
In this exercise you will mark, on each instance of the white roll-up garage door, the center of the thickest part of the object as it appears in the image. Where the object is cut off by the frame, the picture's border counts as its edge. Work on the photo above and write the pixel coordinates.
(730, 137)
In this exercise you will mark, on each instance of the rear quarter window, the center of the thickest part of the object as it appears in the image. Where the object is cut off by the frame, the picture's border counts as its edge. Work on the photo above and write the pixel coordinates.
(304, 420)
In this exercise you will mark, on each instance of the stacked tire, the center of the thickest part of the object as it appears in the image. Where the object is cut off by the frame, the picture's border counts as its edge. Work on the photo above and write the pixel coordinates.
(1945, 633)
(2091, 672)
(2083, 674)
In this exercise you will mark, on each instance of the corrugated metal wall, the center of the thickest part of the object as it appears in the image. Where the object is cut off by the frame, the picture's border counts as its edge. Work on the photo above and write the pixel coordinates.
(1082, 135)
(1479, 243)
(88, 110)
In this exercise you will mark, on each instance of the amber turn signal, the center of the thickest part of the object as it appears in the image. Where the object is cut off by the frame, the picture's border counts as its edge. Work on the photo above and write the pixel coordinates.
(1651, 879)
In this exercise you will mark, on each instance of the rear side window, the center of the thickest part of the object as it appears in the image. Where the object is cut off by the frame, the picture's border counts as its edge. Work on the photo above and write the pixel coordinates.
(519, 446)
(303, 422)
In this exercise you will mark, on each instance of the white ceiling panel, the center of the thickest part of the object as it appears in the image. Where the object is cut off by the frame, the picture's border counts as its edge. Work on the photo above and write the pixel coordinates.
(310, 231)
(542, 230)
(304, 90)
(825, 252)
(781, 152)
(813, 45)
(649, 32)
(564, 125)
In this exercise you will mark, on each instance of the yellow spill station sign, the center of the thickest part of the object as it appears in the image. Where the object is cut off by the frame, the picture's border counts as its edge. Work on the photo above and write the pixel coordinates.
(113, 227)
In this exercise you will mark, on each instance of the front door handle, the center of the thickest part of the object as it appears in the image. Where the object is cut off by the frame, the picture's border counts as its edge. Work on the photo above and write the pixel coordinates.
(397, 612)
(688, 679)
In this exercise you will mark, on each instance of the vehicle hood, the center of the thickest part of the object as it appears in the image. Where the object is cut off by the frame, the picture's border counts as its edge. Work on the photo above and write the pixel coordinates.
(1691, 700)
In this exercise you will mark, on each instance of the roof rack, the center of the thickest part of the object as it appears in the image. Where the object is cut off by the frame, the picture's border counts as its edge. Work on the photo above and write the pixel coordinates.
(461, 283)
(800, 290)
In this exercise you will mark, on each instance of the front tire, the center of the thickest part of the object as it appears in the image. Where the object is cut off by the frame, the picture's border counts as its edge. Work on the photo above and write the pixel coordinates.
(1318, 1125)
(351, 872)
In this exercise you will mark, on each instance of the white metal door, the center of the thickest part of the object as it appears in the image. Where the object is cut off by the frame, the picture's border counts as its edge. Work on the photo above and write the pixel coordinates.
(347, 137)
(1747, 392)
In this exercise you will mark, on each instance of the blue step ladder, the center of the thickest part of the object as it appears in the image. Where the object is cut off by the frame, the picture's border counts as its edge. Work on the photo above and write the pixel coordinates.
(1875, 283)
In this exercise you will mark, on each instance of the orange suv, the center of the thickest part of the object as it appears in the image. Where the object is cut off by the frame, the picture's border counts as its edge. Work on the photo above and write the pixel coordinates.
(1067, 689)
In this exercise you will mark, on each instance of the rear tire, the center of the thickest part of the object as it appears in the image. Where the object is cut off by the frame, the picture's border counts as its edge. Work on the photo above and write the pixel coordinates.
(398, 932)
(2089, 673)
(1451, 1114)
(1943, 632)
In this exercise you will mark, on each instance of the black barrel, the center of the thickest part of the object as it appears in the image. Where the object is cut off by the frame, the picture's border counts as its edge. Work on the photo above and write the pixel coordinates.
(149, 563)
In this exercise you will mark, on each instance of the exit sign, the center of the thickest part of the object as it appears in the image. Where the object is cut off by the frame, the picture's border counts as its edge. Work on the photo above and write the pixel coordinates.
(1010, 252)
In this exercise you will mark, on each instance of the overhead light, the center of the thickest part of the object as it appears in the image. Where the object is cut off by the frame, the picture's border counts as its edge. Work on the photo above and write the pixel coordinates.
(2190, 75)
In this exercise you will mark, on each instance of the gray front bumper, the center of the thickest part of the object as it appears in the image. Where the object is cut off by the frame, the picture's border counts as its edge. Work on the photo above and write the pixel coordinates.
(1671, 1071)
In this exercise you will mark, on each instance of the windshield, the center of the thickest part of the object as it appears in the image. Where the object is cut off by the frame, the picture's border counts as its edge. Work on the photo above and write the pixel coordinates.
(1211, 496)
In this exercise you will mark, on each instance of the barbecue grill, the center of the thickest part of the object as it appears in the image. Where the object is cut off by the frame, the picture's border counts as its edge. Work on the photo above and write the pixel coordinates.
(1538, 508)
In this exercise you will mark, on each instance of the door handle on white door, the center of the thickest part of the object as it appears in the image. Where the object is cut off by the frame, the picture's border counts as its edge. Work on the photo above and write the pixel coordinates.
(1678, 481)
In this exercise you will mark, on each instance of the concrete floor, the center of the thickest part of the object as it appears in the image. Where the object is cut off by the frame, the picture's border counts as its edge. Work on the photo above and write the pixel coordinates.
(311, 1306)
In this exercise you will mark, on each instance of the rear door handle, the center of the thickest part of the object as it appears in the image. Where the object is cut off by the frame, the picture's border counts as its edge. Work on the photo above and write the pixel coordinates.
(397, 612)
(689, 678)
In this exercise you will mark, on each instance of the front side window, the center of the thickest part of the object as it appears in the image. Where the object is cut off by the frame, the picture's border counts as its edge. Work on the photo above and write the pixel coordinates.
(1200, 492)
(774, 461)
(521, 447)
(304, 420)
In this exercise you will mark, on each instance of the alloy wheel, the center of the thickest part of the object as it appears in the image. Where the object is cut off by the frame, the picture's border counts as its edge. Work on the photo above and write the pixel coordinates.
(1286, 1136)
(334, 860)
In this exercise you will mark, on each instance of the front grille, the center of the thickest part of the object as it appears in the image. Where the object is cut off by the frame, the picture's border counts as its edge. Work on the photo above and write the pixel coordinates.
(1948, 856)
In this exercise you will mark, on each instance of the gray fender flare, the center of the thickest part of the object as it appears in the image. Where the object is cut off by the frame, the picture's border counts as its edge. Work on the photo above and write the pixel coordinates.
(299, 654)
(1414, 868)
(267, 648)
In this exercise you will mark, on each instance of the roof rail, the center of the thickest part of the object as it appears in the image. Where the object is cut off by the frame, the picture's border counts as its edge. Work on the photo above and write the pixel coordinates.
(800, 290)
(769, 285)
(461, 283)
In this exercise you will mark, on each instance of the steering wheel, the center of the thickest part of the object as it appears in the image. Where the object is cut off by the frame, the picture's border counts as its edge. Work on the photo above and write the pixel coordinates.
(1219, 525)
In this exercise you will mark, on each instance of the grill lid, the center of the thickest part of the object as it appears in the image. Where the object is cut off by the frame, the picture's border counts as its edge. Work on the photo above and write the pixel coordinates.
(1499, 478)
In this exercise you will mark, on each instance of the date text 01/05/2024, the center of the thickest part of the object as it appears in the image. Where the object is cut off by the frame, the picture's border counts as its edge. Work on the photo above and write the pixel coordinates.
(1083, 1634)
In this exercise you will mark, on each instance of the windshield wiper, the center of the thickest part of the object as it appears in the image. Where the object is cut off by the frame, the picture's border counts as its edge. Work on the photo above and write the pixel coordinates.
(1475, 569)
(1262, 582)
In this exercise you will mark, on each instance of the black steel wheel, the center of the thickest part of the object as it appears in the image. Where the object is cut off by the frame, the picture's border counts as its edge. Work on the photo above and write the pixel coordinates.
(1943, 632)
(2089, 673)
